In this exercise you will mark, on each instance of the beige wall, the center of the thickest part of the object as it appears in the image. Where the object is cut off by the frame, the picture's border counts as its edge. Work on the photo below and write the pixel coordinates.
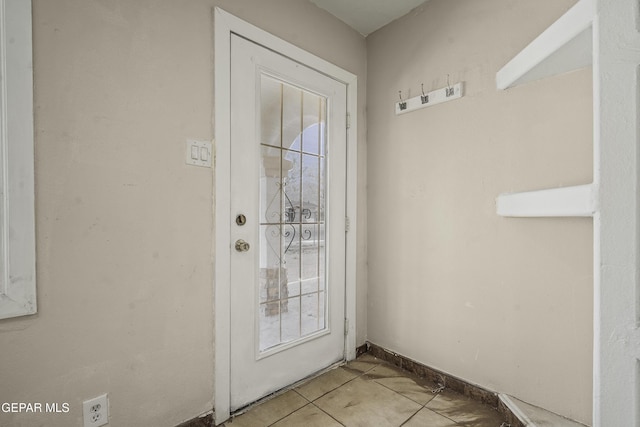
(505, 303)
(124, 227)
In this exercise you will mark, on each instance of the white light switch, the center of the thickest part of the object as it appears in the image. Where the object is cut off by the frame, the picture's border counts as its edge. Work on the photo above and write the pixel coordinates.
(199, 153)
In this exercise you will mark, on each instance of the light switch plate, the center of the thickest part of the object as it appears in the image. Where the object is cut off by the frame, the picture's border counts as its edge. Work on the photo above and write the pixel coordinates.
(198, 153)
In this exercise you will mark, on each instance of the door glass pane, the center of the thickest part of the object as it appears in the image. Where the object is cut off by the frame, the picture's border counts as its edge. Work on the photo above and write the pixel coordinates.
(313, 123)
(291, 115)
(271, 107)
(292, 185)
(271, 282)
(290, 315)
(310, 308)
(270, 183)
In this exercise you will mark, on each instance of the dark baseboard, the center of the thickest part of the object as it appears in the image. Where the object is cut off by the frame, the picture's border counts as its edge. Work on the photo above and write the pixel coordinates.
(450, 382)
(364, 348)
(509, 416)
(201, 421)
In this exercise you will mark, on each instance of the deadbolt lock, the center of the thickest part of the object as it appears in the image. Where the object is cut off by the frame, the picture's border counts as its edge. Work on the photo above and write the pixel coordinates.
(241, 219)
(242, 246)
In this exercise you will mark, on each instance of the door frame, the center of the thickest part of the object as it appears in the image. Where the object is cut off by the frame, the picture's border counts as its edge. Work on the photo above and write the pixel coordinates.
(226, 24)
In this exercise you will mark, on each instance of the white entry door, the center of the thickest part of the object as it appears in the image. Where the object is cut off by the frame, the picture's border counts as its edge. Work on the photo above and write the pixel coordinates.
(288, 180)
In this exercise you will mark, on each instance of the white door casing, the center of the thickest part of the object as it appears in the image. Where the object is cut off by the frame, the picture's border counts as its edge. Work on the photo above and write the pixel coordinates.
(17, 196)
(225, 25)
(616, 61)
(287, 315)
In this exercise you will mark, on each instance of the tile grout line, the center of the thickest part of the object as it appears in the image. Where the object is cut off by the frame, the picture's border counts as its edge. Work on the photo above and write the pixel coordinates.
(300, 394)
(290, 413)
(368, 370)
(285, 390)
(414, 414)
(439, 413)
(364, 374)
(335, 388)
(436, 412)
(409, 419)
(328, 414)
(397, 392)
(402, 376)
(422, 405)
(311, 402)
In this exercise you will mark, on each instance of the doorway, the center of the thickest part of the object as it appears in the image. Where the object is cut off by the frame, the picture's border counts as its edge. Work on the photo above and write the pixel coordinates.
(285, 190)
(288, 182)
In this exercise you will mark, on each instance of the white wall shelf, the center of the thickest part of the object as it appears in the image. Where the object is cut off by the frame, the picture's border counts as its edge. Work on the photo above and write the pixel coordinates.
(565, 46)
(588, 35)
(576, 201)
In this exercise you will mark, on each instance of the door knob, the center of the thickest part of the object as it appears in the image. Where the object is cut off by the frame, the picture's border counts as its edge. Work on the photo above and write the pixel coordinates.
(242, 246)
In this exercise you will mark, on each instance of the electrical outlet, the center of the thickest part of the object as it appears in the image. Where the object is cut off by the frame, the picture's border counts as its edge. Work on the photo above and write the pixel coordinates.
(96, 411)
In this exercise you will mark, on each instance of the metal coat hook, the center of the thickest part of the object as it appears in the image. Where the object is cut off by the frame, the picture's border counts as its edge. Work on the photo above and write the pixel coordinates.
(449, 88)
(403, 104)
(424, 98)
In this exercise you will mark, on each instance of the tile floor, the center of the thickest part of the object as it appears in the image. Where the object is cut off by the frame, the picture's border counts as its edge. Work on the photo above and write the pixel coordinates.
(368, 392)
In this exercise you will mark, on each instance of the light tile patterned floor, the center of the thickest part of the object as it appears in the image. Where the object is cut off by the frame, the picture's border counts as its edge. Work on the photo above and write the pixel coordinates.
(368, 393)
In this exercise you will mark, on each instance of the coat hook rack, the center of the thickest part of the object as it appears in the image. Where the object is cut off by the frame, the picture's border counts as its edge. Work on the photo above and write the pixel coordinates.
(438, 96)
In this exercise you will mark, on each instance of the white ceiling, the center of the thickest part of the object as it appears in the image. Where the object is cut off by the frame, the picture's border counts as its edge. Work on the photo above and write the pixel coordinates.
(366, 16)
